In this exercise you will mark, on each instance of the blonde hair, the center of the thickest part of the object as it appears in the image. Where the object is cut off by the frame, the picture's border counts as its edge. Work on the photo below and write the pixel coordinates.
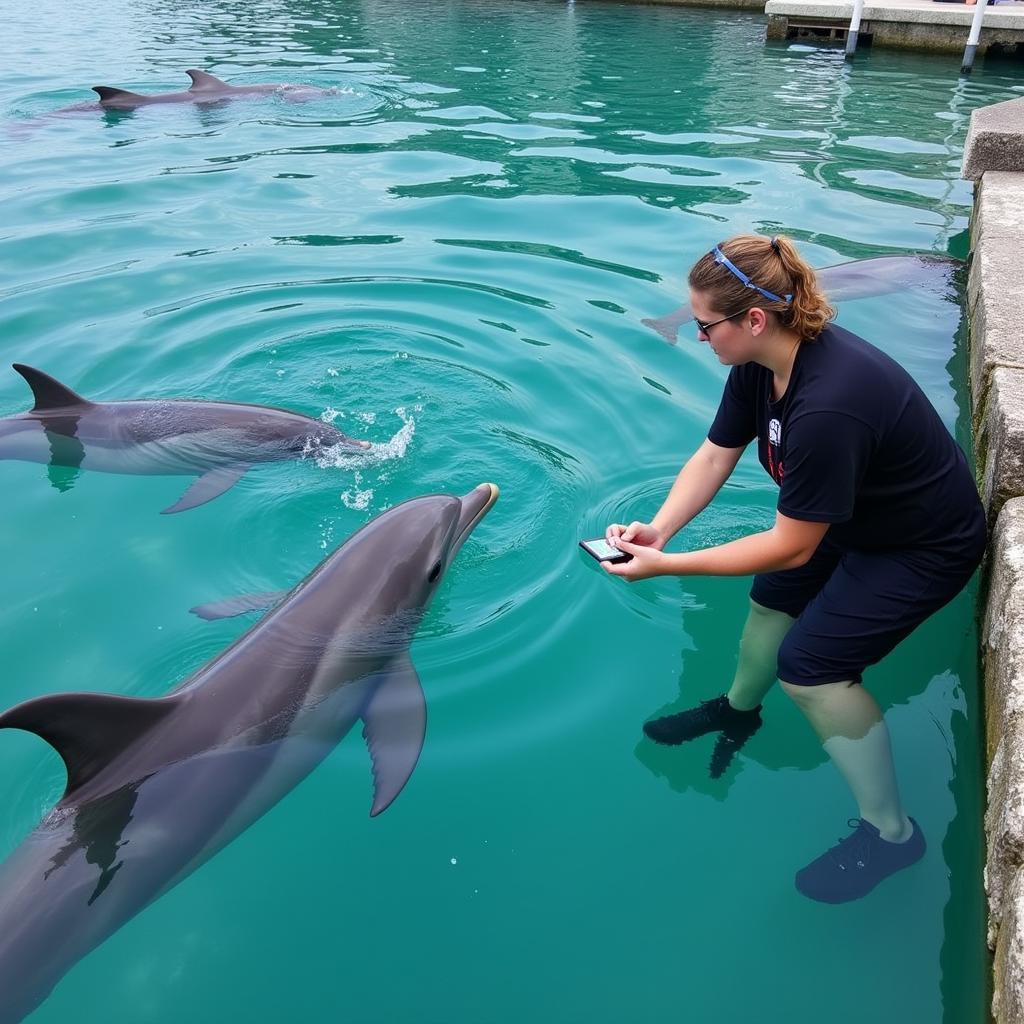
(775, 265)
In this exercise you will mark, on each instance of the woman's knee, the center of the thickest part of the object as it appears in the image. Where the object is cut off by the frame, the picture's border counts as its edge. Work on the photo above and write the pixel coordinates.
(763, 612)
(797, 693)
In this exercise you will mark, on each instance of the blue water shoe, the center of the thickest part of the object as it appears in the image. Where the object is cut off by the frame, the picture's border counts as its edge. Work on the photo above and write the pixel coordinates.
(858, 863)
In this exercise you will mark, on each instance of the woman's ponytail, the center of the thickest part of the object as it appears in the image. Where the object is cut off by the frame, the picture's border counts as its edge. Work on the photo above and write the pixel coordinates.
(773, 266)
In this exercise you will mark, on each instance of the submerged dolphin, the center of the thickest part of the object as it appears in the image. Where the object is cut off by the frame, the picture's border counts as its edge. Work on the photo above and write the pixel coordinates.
(157, 786)
(854, 280)
(218, 441)
(205, 88)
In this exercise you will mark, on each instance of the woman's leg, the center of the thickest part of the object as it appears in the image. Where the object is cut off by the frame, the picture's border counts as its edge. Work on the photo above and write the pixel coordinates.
(775, 601)
(850, 726)
(757, 665)
(870, 603)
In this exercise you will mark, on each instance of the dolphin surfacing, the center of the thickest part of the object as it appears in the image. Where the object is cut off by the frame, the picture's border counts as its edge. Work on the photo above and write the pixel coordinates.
(155, 787)
(856, 279)
(205, 88)
(214, 441)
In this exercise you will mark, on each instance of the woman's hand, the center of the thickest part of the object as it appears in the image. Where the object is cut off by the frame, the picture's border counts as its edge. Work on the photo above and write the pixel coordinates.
(647, 561)
(636, 533)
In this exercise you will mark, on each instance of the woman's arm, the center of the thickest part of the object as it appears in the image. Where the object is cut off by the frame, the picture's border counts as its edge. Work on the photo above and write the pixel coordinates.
(697, 483)
(787, 545)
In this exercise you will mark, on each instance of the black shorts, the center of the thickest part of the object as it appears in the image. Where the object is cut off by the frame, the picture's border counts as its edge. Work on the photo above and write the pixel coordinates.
(853, 607)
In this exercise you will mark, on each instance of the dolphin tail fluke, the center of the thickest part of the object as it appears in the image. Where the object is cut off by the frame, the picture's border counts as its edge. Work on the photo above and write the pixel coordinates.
(668, 326)
(110, 94)
(394, 724)
(210, 485)
(204, 80)
(239, 605)
(88, 730)
(49, 393)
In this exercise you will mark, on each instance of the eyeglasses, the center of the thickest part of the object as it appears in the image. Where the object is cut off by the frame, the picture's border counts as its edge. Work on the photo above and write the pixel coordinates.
(705, 327)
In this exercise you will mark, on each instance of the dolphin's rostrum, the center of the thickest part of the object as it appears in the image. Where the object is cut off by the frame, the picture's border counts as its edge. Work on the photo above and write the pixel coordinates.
(216, 441)
(157, 786)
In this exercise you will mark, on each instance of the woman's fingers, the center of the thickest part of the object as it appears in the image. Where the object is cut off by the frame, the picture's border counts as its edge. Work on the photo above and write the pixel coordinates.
(632, 530)
(613, 531)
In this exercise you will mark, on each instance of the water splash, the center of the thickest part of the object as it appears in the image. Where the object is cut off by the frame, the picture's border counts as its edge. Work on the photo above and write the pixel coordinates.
(357, 497)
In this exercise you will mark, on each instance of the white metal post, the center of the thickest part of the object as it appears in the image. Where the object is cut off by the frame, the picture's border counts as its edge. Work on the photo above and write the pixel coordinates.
(972, 39)
(851, 34)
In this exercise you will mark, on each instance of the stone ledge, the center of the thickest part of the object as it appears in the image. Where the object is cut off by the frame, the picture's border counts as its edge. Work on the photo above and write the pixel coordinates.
(1000, 444)
(995, 139)
(1000, 208)
(1004, 823)
(1003, 672)
(1003, 626)
(995, 287)
(1007, 1002)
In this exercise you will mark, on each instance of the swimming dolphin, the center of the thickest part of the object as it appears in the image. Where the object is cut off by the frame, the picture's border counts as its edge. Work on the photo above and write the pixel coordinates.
(217, 441)
(157, 786)
(205, 88)
(854, 280)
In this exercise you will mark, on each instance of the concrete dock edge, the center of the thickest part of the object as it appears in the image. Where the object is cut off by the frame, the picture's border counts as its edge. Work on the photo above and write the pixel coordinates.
(994, 160)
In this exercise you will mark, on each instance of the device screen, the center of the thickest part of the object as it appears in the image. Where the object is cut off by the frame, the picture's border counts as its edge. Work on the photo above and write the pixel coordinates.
(603, 549)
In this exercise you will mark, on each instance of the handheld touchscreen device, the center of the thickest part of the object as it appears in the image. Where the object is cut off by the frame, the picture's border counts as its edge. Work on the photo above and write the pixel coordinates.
(603, 551)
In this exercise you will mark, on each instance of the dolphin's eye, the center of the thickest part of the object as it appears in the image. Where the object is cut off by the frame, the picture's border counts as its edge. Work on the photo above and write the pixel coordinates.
(434, 573)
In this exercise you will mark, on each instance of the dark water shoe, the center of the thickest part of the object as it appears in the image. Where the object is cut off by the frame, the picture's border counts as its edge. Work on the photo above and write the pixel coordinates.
(716, 715)
(858, 863)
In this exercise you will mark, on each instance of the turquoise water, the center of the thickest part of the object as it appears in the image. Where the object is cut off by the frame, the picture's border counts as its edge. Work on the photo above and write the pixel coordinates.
(449, 254)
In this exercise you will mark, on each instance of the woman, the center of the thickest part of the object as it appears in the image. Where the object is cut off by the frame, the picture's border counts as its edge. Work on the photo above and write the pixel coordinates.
(878, 525)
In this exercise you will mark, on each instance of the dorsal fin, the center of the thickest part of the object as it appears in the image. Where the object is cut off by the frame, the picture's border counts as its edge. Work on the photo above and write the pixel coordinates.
(49, 393)
(204, 80)
(88, 730)
(109, 93)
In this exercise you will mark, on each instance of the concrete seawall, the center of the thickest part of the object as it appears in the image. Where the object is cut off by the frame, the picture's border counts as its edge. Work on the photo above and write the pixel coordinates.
(900, 24)
(994, 160)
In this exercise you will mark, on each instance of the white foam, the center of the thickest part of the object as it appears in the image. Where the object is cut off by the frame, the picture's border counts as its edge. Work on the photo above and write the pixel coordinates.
(358, 497)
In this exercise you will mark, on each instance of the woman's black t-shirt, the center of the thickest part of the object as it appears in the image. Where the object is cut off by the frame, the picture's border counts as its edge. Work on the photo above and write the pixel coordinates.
(854, 442)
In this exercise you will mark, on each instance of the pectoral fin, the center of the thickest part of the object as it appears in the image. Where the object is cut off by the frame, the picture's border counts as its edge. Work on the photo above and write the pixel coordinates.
(394, 724)
(238, 605)
(210, 485)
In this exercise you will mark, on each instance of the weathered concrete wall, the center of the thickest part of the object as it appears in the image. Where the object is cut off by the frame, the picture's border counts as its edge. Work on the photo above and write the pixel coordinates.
(994, 159)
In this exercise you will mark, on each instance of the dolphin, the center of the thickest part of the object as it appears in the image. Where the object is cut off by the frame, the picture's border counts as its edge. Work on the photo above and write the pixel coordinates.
(216, 441)
(854, 280)
(205, 88)
(156, 786)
